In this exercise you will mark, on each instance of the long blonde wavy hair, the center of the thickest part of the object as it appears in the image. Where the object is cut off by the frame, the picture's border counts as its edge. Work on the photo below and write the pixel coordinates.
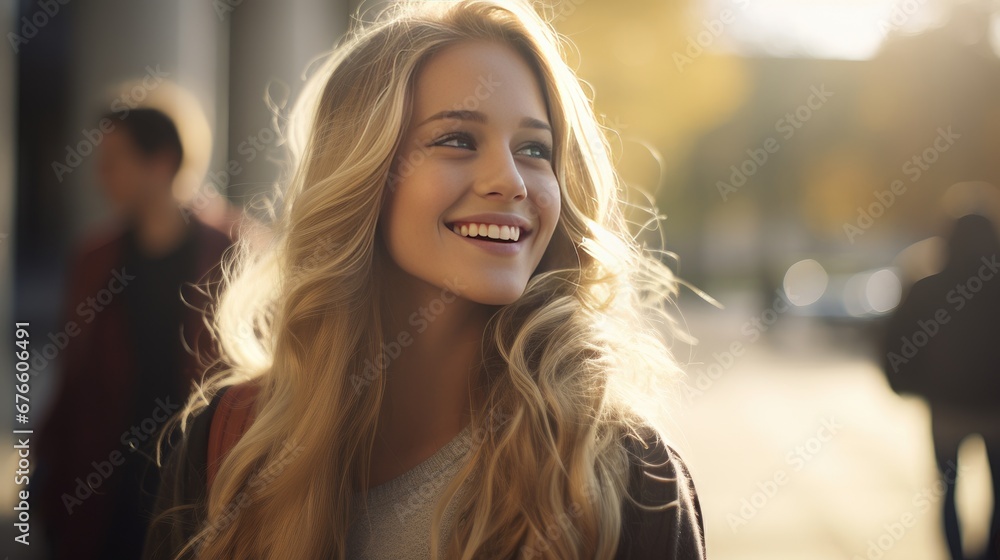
(576, 364)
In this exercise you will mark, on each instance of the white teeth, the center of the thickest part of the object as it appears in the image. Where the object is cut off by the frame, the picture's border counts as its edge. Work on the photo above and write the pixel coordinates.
(493, 231)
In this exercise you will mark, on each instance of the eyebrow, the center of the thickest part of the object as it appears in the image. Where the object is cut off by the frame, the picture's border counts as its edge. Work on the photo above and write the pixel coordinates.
(477, 116)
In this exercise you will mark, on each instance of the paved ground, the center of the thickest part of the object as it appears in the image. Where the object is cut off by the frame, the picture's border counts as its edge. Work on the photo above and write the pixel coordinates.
(807, 455)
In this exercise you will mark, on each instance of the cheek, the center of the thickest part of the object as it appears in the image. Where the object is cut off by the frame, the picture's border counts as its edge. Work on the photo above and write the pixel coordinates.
(548, 202)
(116, 179)
(413, 208)
(129, 175)
(425, 197)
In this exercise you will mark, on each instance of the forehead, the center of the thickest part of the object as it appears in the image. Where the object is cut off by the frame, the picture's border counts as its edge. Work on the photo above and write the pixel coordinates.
(476, 75)
(117, 139)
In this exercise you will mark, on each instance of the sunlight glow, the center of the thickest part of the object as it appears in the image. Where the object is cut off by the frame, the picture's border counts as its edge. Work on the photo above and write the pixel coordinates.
(827, 29)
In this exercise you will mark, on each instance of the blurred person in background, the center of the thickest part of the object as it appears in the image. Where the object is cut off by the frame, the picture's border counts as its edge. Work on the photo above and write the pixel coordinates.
(942, 345)
(127, 369)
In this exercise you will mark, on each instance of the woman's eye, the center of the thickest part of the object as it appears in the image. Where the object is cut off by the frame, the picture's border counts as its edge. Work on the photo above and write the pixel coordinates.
(461, 140)
(456, 141)
(538, 150)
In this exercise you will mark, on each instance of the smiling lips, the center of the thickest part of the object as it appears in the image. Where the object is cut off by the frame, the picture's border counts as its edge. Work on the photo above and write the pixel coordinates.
(488, 231)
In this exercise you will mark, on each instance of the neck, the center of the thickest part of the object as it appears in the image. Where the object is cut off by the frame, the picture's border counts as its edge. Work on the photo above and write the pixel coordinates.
(432, 341)
(159, 226)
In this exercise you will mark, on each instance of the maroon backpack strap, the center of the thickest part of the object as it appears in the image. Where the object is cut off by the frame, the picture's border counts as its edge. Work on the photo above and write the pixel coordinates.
(233, 415)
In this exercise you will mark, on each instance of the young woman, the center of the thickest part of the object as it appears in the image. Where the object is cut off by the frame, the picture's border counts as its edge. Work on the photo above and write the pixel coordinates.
(453, 343)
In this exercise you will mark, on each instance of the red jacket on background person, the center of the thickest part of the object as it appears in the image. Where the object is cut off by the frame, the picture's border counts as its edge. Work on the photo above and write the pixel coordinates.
(88, 433)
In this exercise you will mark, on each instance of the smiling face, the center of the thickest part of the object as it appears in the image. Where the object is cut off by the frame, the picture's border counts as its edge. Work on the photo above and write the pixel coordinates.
(474, 196)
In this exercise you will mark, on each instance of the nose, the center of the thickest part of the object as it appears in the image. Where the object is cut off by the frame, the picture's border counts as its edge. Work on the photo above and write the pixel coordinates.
(499, 177)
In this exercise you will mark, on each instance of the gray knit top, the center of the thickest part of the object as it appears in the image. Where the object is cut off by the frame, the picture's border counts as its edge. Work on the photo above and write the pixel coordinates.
(397, 523)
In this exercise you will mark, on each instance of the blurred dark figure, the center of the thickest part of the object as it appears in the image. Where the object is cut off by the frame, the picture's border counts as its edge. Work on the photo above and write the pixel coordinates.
(125, 369)
(944, 344)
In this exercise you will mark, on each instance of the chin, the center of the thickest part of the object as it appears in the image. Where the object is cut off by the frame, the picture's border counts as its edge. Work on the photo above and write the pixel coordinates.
(498, 295)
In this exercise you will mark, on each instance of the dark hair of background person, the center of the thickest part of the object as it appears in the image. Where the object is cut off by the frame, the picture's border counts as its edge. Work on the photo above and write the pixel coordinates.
(152, 132)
